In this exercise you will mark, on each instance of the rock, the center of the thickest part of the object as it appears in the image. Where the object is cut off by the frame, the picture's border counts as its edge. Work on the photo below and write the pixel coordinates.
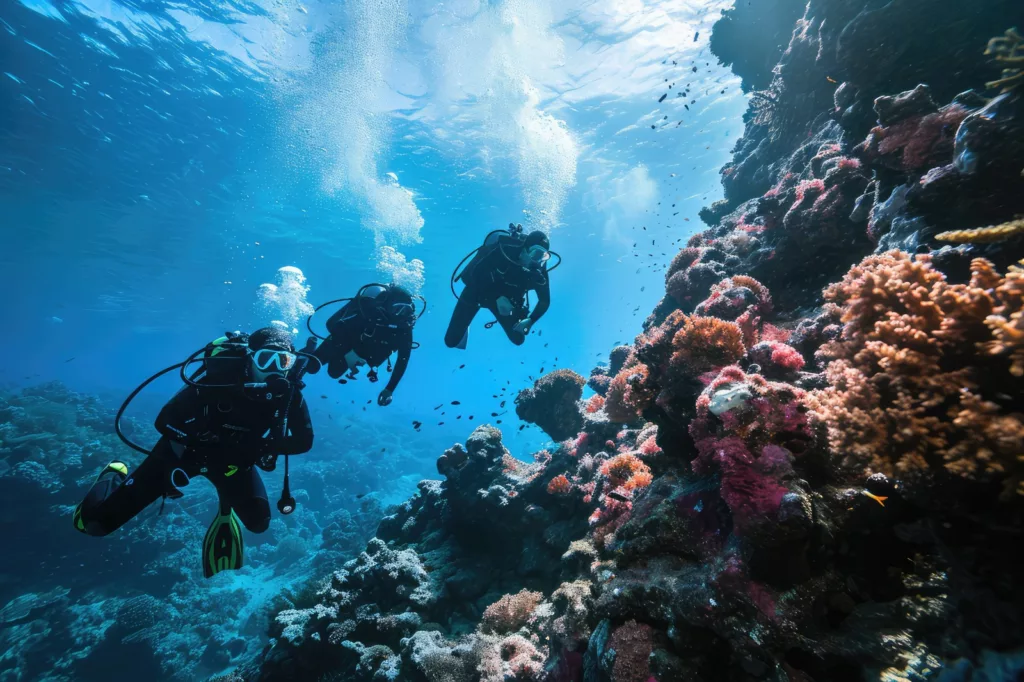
(916, 102)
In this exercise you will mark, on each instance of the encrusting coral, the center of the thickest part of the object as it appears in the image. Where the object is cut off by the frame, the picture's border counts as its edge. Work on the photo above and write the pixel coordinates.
(910, 386)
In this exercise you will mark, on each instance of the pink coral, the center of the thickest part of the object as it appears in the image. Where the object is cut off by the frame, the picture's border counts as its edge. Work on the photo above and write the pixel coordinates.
(511, 612)
(909, 390)
(919, 142)
(751, 446)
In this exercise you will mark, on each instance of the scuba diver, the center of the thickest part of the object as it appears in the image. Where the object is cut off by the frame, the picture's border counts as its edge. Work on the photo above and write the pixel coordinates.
(372, 325)
(241, 409)
(501, 273)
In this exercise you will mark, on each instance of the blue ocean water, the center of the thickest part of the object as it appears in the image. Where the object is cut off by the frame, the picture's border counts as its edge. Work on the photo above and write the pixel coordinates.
(160, 161)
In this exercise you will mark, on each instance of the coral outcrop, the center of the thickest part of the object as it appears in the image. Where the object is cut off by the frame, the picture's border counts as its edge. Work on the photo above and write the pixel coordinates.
(553, 403)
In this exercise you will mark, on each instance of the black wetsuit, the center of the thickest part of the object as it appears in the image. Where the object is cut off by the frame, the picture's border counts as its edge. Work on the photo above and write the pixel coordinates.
(224, 434)
(495, 272)
(359, 328)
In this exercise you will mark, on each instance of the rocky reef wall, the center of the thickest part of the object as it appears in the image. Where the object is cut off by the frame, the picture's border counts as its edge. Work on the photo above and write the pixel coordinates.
(808, 466)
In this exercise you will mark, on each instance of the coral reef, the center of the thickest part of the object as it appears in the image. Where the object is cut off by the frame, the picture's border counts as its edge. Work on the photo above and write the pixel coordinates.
(553, 403)
(807, 465)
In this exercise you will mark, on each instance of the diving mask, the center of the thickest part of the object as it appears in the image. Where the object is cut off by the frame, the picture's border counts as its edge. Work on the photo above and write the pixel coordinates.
(272, 360)
(536, 256)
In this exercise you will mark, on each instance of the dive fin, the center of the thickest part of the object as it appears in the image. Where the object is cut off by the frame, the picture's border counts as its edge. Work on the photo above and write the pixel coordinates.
(109, 480)
(463, 341)
(223, 546)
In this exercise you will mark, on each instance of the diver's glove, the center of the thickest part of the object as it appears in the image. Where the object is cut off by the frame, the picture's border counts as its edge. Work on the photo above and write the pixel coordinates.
(523, 327)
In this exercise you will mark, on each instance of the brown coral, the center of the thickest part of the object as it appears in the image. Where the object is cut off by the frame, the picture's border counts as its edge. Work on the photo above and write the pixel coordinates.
(909, 390)
(705, 343)
(633, 643)
(511, 612)
(984, 235)
(629, 394)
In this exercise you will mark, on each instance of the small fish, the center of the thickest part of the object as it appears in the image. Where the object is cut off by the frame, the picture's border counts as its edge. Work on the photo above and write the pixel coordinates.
(619, 496)
(70, 359)
(440, 423)
(462, 366)
(361, 496)
(696, 36)
(439, 407)
(662, 98)
(456, 402)
(522, 427)
(830, 79)
(877, 498)
(324, 397)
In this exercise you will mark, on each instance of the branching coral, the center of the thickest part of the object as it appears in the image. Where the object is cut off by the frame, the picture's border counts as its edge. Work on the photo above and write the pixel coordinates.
(705, 343)
(909, 391)
(984, 235)
(1008, 49)
(511, 612)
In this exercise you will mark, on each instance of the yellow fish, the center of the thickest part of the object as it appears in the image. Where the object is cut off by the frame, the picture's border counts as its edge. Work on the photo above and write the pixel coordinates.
(880, 500)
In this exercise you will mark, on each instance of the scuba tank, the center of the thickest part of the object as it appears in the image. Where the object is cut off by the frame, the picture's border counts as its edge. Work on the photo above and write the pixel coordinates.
(380, 309)
(500, 239)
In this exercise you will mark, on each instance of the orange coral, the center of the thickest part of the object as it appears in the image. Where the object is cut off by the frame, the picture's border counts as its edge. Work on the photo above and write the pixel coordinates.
(628, 471)
(594, 404)
(629, 394)
(908, 389)
(511, 612)
(559, 485)
(705, 343)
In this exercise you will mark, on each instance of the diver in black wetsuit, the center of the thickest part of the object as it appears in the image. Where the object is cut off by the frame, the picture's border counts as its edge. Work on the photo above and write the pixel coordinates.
(498, 278)
(377, 322)
(216, 428)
